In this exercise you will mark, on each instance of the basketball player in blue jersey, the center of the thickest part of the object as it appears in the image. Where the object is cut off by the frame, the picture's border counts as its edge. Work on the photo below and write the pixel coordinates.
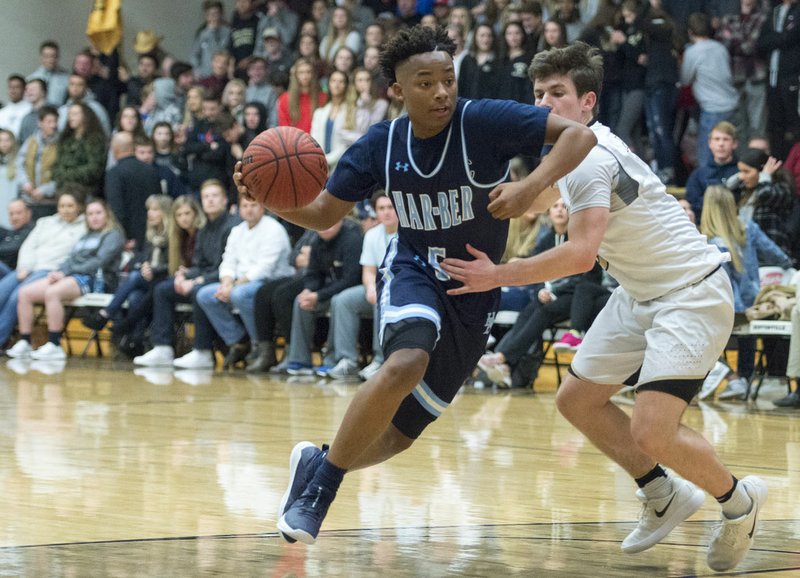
(661, 331)
(445, 167)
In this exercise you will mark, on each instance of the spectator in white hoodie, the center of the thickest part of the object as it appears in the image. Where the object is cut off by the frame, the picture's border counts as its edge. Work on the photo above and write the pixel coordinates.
(44, 249)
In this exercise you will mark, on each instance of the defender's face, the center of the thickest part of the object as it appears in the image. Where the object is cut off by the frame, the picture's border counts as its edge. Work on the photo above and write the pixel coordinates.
(558, 93)
(426, 83)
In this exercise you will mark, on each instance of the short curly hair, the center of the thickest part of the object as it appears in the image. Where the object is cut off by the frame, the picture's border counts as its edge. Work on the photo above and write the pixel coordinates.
(408, 42)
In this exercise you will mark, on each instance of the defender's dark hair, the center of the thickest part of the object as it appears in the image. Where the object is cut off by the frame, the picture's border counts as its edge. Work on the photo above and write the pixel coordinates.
(579, 61)
(406, 43)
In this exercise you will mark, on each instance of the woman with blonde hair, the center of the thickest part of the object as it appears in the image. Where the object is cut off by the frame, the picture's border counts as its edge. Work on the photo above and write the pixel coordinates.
(147, 266)
(328, 121)
(297, 105)
(93, 261)
(748, 248)
(233, 98)
(340, 33)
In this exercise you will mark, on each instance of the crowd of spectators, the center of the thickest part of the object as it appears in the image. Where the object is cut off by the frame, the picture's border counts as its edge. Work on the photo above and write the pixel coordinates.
(156, 140)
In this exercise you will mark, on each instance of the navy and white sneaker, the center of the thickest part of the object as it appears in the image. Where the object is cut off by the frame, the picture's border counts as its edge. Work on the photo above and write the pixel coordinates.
(304, 517)
(303, 463)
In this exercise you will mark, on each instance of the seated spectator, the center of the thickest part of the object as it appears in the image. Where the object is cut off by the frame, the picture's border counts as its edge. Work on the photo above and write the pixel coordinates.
(749, 248)
(35, 163)
(43, 251)
(517, 356)
(127, 186)
(241, 273)
(273, 309)
(8, 168)
(148, 266)
(81, 152)
(171, 185)
(587, 301)
(331, 269)
(184, 285)
(723, 165)
(185, 220)
(351, 304)
(20, 224)
(93, 260)
(764, 194)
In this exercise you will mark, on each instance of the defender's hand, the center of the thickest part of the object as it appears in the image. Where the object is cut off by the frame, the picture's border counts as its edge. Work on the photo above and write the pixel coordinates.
(477, 276)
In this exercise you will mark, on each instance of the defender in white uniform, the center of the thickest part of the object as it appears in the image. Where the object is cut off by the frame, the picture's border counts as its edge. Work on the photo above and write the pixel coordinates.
(661, 331)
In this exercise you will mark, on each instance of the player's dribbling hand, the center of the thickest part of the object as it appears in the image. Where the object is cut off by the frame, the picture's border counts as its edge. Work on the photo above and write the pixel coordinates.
(477, 276)
(509, 200)
(237, 179)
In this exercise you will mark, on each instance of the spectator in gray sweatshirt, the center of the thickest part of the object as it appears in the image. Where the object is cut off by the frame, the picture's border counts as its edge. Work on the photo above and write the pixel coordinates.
(707, 67)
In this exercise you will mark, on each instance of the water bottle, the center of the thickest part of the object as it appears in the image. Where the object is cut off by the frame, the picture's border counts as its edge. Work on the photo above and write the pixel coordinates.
(99, 281)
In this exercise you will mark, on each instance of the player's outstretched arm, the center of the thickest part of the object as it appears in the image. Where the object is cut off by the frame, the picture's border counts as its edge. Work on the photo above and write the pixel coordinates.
(577, 255)
(571, 141)
(322, 213)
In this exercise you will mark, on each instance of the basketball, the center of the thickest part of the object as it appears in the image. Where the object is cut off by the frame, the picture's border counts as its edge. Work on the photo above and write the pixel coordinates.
(284, 168)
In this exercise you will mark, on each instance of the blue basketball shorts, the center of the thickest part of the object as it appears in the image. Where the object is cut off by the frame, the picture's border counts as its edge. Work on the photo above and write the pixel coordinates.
(416, 312)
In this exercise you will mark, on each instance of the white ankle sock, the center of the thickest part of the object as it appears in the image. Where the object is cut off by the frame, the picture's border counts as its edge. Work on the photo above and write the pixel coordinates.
(661, 487)
(738, 504)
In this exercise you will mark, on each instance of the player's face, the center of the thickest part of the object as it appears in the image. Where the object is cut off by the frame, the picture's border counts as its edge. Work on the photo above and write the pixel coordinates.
(722, 145)
(384, 209)
(426, 84)
(558, 93)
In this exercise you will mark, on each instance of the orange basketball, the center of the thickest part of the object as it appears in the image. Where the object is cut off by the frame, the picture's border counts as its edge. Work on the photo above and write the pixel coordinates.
(284, 168)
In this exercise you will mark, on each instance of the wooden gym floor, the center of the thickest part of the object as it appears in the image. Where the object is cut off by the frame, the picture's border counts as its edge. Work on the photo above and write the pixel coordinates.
(110, 471)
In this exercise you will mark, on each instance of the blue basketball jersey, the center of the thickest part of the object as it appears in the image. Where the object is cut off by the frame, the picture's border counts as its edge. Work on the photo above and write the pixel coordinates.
(440, 186)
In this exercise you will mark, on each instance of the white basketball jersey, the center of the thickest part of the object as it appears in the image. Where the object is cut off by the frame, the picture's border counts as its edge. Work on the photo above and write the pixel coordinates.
(650, 245)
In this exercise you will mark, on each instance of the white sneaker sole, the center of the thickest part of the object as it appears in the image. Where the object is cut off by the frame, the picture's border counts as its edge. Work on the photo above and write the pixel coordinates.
(298, 535)
(294, 460)
(676, 516)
